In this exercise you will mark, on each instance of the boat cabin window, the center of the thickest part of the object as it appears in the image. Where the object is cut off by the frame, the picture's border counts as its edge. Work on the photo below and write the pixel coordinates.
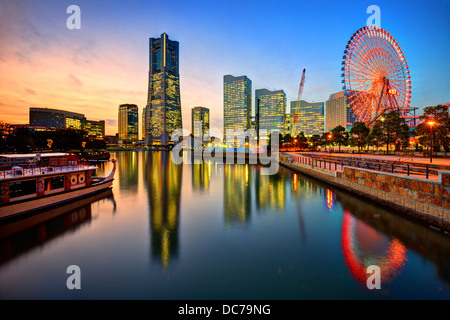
(53, 183)
(22, 188)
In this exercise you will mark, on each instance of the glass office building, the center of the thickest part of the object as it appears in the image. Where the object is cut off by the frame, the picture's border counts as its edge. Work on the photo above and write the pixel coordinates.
(163, 101)
(128, 123)
(237, 103)
(338, 112)
(307, 117)
(272, 110)
(54, 118)
(200, 121)
(143, 128)
(95, 128)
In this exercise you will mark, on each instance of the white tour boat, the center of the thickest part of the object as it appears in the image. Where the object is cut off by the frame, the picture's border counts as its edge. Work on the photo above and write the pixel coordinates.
(31, 182)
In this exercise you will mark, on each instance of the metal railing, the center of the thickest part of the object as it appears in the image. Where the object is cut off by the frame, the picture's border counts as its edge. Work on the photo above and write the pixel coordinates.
(29, 172)
(426, 171)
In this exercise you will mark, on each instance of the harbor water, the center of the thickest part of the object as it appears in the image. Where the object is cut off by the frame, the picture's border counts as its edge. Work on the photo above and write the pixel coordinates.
(169, 231)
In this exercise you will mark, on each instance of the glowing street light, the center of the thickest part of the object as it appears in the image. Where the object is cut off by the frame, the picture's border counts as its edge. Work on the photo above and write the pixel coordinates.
(431, 123)
(387, 143)
(330, 136)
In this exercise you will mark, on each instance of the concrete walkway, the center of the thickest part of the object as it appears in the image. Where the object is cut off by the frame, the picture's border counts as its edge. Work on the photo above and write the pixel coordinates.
(421, 160)
(369, 157)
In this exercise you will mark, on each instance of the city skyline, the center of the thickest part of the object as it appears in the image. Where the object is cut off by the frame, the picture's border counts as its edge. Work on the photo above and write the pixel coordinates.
(105, 63)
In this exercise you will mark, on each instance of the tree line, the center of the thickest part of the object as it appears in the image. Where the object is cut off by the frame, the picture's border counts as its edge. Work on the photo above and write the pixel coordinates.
(387, 131)
(24, 140)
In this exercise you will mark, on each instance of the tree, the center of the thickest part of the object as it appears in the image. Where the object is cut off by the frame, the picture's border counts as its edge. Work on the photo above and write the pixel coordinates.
(302, 141)
(326, 139)
(315, 140)
(393, 130)
(340, 136)
(287, 139)
(374, 137)
(358, 135)
(5, 131)
(441, 130)
(21, 140)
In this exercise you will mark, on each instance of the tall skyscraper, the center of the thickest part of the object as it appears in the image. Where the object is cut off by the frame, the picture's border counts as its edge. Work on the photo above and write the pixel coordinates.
(338, 112)
(128, 123)
(272, 110)
(163, 102)
(308, 118)
(237, 103)
(200, 121)
(143, 127)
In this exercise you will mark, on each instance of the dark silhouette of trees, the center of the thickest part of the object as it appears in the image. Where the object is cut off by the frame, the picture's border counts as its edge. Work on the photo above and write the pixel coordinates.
(358, 135)
(441, 129)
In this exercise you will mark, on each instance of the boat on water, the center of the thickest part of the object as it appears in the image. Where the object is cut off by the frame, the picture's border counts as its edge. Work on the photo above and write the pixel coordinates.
(89, 154)
(32, 182)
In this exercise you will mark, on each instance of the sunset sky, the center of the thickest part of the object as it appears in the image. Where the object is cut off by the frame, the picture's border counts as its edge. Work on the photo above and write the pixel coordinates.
(104, 64)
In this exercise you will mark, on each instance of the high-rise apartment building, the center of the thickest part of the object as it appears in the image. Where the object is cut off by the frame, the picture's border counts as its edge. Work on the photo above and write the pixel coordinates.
(163, 101)
(272, 110)
(338, 112)
(237, 103)
(200, 121)
(307, 117)
(128, 123)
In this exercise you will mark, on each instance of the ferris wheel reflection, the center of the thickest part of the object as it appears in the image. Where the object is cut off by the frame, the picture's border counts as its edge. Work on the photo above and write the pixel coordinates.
(363, 246)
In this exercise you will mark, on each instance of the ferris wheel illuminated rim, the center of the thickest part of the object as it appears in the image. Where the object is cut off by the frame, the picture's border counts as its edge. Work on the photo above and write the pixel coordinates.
(375, 74)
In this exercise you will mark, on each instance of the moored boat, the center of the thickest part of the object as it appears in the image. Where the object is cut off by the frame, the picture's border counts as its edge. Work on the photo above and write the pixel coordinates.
(31, 182)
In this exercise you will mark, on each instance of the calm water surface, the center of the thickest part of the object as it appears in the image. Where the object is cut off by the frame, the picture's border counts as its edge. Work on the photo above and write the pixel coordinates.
(211, 231)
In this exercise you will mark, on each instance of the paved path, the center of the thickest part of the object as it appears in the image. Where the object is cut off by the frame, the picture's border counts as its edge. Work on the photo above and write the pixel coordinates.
(418, 160)
(421, 160)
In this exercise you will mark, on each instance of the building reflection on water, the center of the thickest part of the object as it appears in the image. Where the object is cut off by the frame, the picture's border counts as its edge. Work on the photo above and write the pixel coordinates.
(163, 183)
(270, 191)
(237, 182)
(201, 176)
(128, 170)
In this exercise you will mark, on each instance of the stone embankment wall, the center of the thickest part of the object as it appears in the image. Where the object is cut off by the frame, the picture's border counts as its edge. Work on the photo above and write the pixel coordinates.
(424, 199)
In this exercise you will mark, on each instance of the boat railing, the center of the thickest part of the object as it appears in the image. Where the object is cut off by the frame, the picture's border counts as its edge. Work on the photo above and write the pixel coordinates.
(36, 171)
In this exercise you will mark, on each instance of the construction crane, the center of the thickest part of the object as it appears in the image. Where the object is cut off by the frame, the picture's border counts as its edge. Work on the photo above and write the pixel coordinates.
(300, 92)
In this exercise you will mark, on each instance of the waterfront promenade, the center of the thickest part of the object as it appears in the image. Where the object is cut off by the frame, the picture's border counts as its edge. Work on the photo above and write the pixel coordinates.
(395, 158)
(410, 185)
(418, 167)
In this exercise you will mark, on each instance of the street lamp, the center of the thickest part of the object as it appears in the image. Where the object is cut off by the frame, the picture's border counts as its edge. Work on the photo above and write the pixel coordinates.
(330, 136)
(387, 142)
(431, 123)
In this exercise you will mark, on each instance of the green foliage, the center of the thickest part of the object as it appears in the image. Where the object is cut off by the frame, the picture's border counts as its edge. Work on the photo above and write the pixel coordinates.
(315, 141)
(441, 130)
(359, 134)
(391, 128)
(339, 136)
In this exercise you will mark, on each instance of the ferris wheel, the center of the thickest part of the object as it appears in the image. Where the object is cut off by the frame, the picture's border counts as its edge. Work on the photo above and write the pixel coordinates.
(375, 74)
